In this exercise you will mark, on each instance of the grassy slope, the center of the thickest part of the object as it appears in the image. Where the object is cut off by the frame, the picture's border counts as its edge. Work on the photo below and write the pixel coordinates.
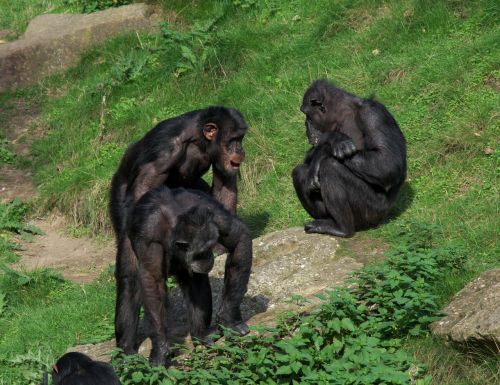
(433, 64)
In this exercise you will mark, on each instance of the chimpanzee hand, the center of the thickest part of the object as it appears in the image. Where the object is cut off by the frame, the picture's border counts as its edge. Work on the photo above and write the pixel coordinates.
(313, 179)
(343, 149)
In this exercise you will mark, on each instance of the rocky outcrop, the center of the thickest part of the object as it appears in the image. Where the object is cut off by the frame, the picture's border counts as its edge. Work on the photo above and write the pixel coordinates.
(54, 42)
(473, 316)
(286, 263)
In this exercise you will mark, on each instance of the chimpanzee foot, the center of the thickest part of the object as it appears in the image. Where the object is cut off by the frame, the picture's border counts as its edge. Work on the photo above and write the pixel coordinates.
(324, 226)
(218, 249)
(212, 335)
(241, 328)
(158, 354)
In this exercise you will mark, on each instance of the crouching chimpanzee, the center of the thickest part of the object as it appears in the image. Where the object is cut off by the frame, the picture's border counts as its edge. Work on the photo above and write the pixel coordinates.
(173, 233)
(175, 153)
(78, 369)
(351, 176)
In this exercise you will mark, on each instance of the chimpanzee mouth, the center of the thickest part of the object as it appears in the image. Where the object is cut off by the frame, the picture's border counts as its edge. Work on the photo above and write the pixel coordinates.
(235, 164)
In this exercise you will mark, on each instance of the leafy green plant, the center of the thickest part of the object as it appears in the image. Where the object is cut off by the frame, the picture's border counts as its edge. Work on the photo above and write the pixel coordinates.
(6, 155)
(354, 337)
(11, 216)
(3, 303)
(11, 222)
(32, 365)
(195, 46)
(88, 6)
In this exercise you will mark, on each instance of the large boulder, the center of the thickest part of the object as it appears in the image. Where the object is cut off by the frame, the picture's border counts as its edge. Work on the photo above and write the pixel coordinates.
(286, 263)
(54, 42)
(473, 316)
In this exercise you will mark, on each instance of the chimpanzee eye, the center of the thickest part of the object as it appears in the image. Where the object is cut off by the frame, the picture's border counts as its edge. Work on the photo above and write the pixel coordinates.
(182, 245)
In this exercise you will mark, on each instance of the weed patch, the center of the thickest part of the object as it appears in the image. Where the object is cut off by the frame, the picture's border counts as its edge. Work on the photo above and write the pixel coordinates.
(354, 337)
(11, 222)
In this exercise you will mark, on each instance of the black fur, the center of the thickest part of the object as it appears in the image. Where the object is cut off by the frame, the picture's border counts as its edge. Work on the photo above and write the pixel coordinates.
(173, 233)
(78, 369)
(177, 152)
(352, 175)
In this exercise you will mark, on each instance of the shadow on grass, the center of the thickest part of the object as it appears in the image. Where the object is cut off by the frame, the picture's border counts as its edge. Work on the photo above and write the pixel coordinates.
(256, 223)
(403, 202)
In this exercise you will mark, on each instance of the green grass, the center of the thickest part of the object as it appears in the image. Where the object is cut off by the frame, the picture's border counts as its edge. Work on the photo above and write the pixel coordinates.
(44, 315)
(15, 15)
(434, 64)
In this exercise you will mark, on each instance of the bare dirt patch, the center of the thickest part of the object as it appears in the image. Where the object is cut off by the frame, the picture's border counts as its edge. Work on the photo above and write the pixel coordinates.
(78, 259)
(15, 183)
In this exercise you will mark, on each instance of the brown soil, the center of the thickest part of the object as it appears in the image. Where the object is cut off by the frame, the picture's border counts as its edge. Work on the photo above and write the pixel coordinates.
(78, 259)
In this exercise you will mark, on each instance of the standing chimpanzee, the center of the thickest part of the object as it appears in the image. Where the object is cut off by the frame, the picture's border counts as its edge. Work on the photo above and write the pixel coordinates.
(78, 369)
(351, 177)
(172, 233)
(175, 153)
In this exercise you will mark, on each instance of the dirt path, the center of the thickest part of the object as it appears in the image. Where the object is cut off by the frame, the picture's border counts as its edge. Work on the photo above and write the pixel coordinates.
(78, 259)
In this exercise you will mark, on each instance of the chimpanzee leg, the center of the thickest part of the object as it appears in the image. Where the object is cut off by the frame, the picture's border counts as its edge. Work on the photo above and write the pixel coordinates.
(311, 200)
(198, 297)
(338, 186)
(154, 296)
(236, 275)
(127, 297)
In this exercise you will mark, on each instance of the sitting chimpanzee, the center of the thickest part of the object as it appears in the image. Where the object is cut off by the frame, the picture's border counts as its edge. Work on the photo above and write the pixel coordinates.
(172, 233)
(351, 177)
(77, 369)
(175, 153)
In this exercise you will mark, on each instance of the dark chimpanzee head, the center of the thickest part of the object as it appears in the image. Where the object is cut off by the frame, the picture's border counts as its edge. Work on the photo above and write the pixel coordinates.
(78, 369)
(325, 107)
(193, 238)
(225, 129)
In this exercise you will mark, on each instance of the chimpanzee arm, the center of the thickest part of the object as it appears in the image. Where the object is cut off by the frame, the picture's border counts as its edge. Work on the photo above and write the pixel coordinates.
(382, 163)
(237, 273)
(334, 144)
(156, 172)
(224, 190)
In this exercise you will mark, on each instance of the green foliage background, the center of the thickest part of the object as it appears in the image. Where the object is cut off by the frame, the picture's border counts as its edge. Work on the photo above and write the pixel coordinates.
(434, 64)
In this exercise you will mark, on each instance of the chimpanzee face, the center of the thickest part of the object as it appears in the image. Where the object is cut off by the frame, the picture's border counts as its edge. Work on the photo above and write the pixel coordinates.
(316, 118)
(226, 142)
(320, 110)
(231, 152)
(194, 237)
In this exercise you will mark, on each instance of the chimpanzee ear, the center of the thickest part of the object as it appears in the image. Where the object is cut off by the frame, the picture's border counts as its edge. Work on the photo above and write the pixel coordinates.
(317, 103)
(210, 130)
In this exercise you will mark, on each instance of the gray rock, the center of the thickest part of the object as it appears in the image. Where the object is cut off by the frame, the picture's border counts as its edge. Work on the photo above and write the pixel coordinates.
(286, 263)
(54, 42)
(473, 316)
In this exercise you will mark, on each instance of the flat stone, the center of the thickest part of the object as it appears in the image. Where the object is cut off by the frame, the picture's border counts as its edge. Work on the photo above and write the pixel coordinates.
(473, 316)
(54, 42)
(286, 263)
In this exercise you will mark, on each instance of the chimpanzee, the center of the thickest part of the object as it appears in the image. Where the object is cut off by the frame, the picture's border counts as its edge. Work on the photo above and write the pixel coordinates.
(172, 233)
(78, 369)
(351, 176)
(175, 153)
